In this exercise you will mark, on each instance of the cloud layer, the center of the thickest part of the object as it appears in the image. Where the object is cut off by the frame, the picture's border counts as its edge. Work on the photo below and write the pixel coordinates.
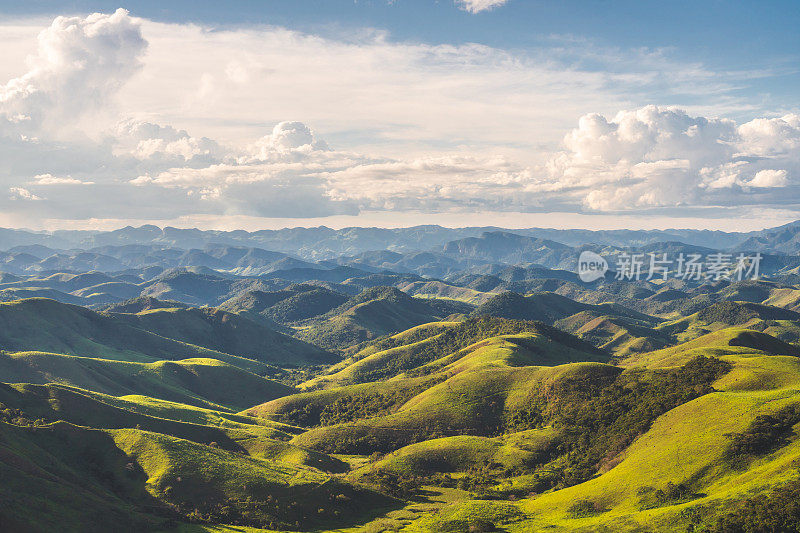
(117, 118)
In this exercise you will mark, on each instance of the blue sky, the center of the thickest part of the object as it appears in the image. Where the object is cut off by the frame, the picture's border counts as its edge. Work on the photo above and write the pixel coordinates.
(275, 113)
(725, 35)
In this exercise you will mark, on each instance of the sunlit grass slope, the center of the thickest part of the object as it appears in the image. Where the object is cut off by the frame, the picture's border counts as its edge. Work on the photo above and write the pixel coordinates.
(717, 344)
(680, 474)
(427, 349)
(225, 487)
(39, 324)
(201, 382)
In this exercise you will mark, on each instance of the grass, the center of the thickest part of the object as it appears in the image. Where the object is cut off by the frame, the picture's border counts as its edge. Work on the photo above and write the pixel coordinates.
(686, 445)
(438, 289)
(213, 484)
(201, 382)
(424, 350)
(67, 478)
(453, 454)
(226, 332)
(43, 325)
(374, 312)
(458, 412)
(466, 403)
(728, 341)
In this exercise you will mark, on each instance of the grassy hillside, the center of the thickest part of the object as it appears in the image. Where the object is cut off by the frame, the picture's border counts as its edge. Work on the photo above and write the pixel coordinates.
(46, 325)
(202, 382)
(439, 289)
(642, 406)
(421, 351)
(720, 343)
(142, 303)
(133, 480)
(174, 333)
(209, 484)
(619, 335)
(222, 331)
(476, 389)
(374, 312)
(726, 314)
(68, 478)
(293, 303)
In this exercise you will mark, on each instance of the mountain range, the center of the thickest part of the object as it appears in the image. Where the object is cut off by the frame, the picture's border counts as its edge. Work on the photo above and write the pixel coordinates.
(434, 381)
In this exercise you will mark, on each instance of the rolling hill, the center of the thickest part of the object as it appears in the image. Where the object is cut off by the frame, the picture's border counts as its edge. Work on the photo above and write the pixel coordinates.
(203, 382)
(497, 393)
(49, 326)
(374, 312)
(219, 330)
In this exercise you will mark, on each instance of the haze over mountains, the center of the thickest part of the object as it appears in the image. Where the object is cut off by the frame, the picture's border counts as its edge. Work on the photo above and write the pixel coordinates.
(324, 243)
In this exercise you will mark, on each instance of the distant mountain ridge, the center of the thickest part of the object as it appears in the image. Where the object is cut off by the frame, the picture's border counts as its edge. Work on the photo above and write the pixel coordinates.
(315, 244)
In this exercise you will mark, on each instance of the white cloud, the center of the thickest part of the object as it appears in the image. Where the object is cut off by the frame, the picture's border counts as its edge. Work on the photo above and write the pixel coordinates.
(199, 122)
(79, 65)
(287, 137)
(20, 193)
(368, 92)
(164, 145)
(476, 6)
(769, 178)
(49, 179)
(664, 157)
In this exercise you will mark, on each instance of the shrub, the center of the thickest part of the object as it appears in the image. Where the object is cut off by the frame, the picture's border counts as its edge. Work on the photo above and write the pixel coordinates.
(775, 512)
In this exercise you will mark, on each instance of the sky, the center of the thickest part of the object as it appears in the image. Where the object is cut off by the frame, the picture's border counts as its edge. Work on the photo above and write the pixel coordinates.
(516, 113)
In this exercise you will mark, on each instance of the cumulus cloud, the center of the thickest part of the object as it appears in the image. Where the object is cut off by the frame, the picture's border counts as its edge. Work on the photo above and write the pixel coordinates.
(287, 137)
(769, 178)
(20, 193)
(368, 91)
(476, 6)
(79, 65)
(165, 145)
(664, 157)
(296, 174)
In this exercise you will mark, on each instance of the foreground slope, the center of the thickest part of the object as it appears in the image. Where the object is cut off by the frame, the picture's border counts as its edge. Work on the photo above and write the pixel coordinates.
(696, 468)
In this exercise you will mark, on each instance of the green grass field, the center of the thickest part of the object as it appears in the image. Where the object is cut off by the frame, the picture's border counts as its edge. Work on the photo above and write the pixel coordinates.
(474, 424)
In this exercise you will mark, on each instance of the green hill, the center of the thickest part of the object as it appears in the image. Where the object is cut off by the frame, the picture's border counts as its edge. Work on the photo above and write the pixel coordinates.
(294, 303)
(202, 382)
(445, 388)
(617, 334)
(725, 314)
(728, 341)
(62, 477)
(422, 351)
(627, 407)
(439, 289)
(222, 331)
(210, 484)
(142, 303)
(548, 307)
(49, 326)
(374, 312)
(68, 478)
(238, 433)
